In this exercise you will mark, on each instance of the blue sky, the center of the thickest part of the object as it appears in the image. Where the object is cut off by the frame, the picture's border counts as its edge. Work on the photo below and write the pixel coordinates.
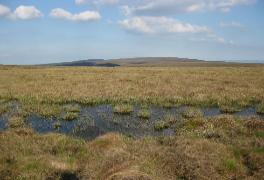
(45, 31)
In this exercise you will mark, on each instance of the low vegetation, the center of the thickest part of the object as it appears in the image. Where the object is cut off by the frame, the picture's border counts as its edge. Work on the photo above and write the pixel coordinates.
(16, 122)
(168, 121)
(69, 116)
(260, 109)
(72, 108)
(123, 109)
(3, 108)
(228, 109)
(47, 110)
(259, 134)
(38, 88)
(144, 114)
(222, 147)
(57, 125)
(160, 125)
(192, 112)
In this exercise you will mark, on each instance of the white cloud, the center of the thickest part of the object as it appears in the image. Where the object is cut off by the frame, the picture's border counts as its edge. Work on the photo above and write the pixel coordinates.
(212, 38)
(153, 25)
(162, 7)
(107, 2)
(83, 16)
(4, 11)
(232, 24)
(160, 25)
(80, 1)
(20, 13)
(26, 12)
(98, 2)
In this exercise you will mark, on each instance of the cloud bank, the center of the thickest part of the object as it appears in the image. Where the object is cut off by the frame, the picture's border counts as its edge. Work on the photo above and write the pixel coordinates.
(97, 2)
(154, 7)
(20, 13)
(232, 24)
(60, 13)
(160, 25)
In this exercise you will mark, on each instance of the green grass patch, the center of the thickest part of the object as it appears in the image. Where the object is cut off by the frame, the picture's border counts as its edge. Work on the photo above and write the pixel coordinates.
(259, 150)
(230, 164)
(123, 109)
(32, 166)
(194, 124)
(259, 134)
(144, 114)
(160, 125)
(167, 105)
(70, 116)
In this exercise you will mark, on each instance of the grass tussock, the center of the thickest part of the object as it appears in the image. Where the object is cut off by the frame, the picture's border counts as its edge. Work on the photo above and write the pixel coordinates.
(123, 109)
(160, 125)
(192, 112)
(16, 122)
(27, 155)
(47, 110)
(168, 121)
(57, 125)
(3, 108)
(260, 109)
(144, 114)
(70, 116)
(254, 124)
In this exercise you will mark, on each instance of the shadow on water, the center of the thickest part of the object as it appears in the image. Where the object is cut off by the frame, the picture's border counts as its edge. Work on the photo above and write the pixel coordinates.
(98, 120)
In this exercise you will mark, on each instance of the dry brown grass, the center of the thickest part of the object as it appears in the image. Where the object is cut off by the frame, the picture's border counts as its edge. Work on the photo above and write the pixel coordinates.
(219, 147)
(28, 155)
(147, 159)
(16, 122)
(160, 85)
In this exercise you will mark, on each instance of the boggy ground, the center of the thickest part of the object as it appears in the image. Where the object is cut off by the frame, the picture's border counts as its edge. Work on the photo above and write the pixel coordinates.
(222, 147)
(88, 122)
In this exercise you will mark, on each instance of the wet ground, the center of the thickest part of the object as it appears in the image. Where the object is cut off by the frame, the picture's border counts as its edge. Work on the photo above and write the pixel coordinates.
(98, 120)
(3, 120)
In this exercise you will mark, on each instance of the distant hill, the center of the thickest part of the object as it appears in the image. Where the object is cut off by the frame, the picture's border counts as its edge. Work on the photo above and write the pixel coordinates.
(89, 62)
(153, 61)
(148, 62)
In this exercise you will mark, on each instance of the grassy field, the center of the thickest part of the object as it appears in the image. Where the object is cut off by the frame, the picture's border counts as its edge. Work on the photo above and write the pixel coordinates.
(227, 87)
(221, 147)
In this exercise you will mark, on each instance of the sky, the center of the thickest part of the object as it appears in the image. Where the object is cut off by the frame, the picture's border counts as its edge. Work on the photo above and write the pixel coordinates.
(47, 31)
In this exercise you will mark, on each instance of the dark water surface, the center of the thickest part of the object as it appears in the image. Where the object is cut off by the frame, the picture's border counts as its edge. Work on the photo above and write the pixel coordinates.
(3, 121)
(98, 120)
